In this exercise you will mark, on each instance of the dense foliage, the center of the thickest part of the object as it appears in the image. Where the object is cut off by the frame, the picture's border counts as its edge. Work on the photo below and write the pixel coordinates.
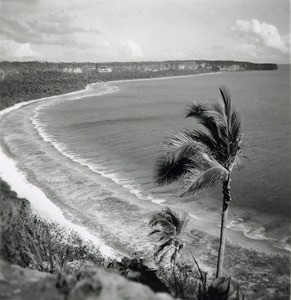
(30, 241)
(28, 86)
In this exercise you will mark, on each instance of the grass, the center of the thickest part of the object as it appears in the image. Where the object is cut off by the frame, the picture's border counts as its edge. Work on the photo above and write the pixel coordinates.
(30, 241)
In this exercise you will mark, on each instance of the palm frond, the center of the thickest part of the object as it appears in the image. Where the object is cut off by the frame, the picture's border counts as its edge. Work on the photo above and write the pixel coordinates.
(168, 171)
(162, 222)
(181, 152)
(205, 140)
(173, 256)
(196, 110)
(165, 218)
(238, 161)
(219, 107)
(171, 224)
(190, 145)
(154, 231)
(225, 93)
(177, 140)
(163, 246)
(174, 218)
(159, 218)
(212, 128)
(199, 112)
(208, 178)
(163, 255)
(164, 236)
(206, 143)
(235, 127)
(219, 118)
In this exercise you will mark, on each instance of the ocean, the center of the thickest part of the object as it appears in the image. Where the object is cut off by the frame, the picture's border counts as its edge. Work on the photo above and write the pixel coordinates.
(94, 157)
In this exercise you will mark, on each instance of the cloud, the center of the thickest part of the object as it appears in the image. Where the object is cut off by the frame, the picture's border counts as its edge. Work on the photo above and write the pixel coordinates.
(246, 51)
(263, 34)
(131, 49)
(58, 23)
(27, 1)
(54, 29)
(218, 47)
(24, 32)
(11, 50)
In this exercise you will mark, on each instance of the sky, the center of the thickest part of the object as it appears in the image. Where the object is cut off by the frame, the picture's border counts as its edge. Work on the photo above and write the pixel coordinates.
(145, 30)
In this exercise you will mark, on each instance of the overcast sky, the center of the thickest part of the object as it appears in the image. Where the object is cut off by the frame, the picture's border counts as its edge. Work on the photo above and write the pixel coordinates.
(135, 30)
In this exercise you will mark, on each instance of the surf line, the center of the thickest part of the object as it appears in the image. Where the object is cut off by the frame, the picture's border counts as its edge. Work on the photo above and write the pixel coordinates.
(166, 77)
(40, 203)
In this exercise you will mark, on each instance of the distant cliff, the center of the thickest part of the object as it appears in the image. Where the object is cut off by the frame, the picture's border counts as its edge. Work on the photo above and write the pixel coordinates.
(186, 65)
(178, 67)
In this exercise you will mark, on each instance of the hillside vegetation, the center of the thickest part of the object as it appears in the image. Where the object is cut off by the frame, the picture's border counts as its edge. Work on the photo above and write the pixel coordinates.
(23, 81)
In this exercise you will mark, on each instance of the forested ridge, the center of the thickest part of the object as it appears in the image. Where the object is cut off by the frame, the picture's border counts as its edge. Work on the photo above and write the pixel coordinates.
(23, 81)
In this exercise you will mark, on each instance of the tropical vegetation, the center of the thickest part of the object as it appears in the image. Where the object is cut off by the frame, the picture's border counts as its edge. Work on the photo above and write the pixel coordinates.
(170, 230)
(205, 156)
(31, 241)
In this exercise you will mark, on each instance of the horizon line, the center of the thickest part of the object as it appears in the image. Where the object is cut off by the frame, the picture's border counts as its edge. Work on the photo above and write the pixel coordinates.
(141, 61)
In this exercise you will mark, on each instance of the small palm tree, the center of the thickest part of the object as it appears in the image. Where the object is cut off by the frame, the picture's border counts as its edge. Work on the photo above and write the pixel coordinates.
(170, 236)
(205, 157)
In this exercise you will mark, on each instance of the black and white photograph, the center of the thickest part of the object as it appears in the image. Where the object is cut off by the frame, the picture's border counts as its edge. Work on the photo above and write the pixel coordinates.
(145, 150)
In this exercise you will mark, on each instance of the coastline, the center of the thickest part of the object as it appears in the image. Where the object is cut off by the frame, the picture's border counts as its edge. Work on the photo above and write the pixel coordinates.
(40, 203)
(165, 77)
(11, 165)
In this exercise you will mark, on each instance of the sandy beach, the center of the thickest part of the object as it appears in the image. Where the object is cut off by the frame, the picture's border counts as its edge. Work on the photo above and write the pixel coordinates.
(40, 203)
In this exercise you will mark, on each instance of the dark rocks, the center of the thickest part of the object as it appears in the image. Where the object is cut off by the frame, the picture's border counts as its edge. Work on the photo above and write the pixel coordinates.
(223, 289)
(86, 288)
(140, 270)
(91, 284)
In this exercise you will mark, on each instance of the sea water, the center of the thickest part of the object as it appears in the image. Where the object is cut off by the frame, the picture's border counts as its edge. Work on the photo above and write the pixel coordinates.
(116, 138)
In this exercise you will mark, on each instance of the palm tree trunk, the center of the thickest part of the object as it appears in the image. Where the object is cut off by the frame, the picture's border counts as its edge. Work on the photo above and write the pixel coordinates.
(175, 277)
(226, 200)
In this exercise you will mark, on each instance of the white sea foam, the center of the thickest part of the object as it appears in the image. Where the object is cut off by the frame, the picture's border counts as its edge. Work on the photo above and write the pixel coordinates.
(41, 204)
(159, 201)
(201, 219)
(240, 226)
(90, 90)
(254, 234)
(109, 174)
(167, 77)
(284, 244)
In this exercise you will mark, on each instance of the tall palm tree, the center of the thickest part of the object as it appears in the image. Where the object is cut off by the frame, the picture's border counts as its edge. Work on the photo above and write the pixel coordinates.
(205, 156)
(170, 232)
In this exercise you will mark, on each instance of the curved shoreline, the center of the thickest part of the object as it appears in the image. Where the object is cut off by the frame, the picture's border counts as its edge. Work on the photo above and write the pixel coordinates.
(40, 203)
(165, 77)
(79, 95)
